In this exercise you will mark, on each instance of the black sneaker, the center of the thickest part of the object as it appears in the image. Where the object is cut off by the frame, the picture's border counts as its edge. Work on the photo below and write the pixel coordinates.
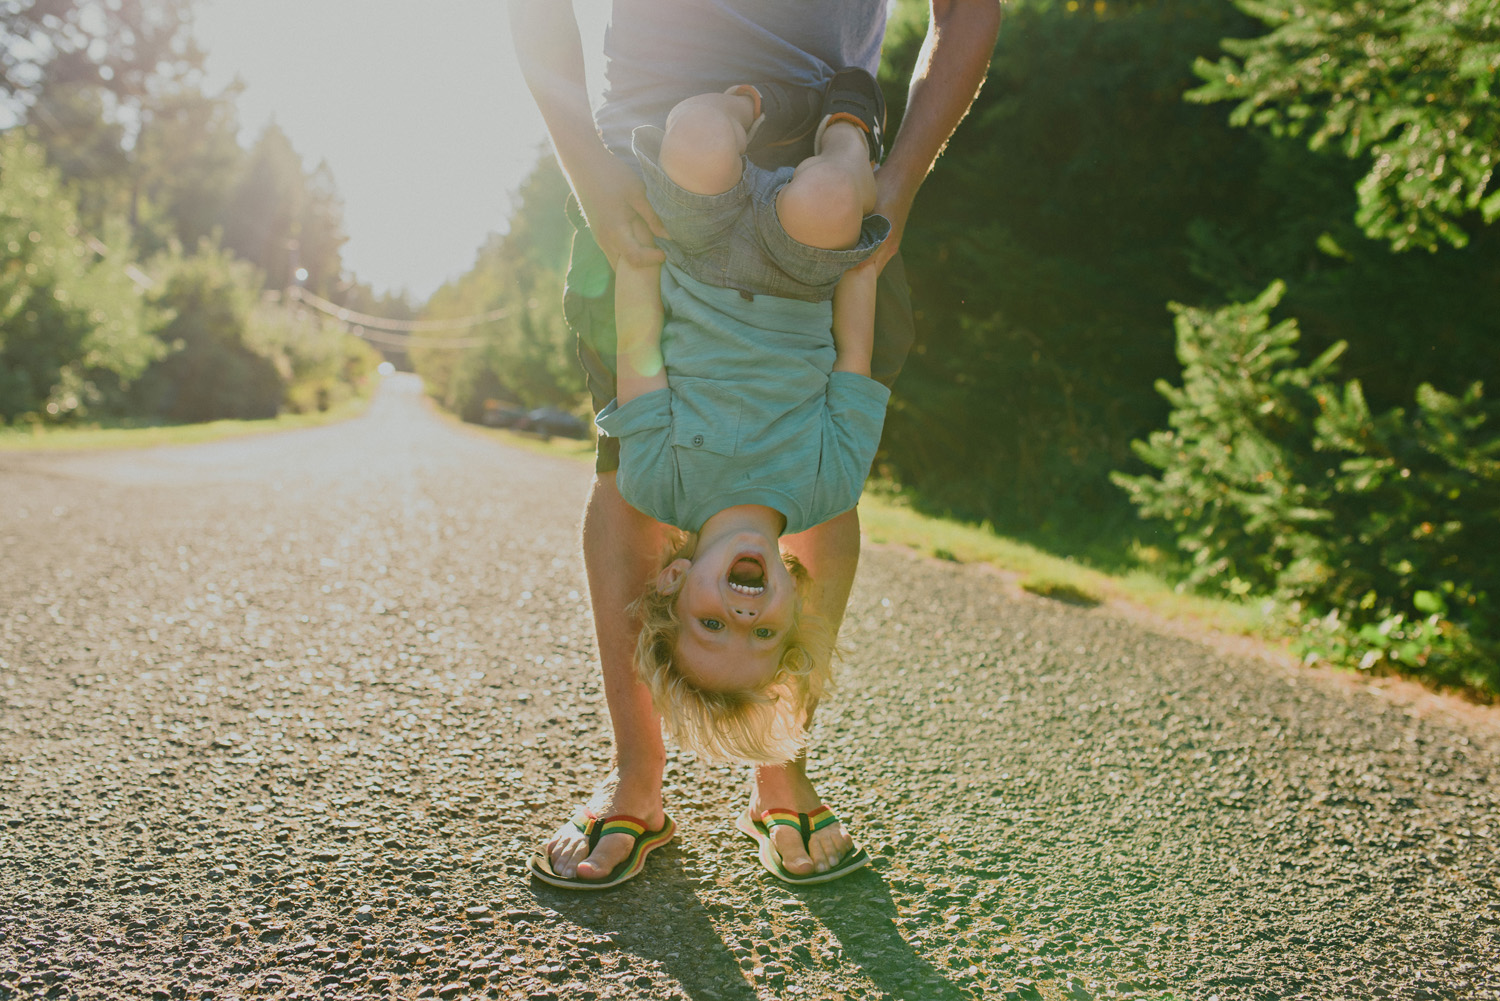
(784, 114)
(854, 96)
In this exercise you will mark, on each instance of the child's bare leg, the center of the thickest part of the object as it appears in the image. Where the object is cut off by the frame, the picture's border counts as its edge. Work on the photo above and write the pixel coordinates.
(828, 197)
(830, 552)
(705, 139)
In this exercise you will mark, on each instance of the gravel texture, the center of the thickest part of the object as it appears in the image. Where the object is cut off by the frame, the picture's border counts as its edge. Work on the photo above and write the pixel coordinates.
(282, 717)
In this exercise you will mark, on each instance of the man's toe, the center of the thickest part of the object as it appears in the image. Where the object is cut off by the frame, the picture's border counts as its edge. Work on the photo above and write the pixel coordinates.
(610, 852)
(566, 855)
(829, 846)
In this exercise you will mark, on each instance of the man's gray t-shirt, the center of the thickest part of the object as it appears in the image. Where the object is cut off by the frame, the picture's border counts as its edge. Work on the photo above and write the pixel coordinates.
(659, 52)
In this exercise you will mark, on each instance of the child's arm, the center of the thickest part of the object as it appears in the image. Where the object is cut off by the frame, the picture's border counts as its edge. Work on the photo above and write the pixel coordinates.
(854, 321)
(638, 320)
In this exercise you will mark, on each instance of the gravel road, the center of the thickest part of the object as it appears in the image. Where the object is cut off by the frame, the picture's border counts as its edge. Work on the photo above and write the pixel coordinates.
(282, 717)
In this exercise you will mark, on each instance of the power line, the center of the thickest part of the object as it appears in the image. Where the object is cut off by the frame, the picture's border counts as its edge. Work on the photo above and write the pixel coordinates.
(338, 312)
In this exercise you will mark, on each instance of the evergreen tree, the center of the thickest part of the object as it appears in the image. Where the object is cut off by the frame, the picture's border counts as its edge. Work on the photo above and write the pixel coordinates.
(186, 159)
(1406, 86)
(1377, 528)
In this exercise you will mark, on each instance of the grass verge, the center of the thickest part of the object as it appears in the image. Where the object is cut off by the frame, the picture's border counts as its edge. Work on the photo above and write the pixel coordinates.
(888, 521)
(79, 439)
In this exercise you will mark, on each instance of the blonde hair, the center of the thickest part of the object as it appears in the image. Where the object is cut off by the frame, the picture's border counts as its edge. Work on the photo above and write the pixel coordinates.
(762, 726)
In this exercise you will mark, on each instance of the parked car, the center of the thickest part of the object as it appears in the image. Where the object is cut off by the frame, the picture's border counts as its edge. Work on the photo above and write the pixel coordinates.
(549, 421)
(497, 414)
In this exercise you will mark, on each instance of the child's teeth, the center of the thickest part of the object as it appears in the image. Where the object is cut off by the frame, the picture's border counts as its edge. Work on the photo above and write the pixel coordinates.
(745, 588)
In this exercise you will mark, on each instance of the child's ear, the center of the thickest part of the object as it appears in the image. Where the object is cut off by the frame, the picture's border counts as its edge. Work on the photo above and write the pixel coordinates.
(671, 576)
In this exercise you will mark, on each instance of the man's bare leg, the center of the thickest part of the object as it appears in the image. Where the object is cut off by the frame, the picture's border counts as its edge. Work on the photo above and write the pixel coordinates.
(621, 550)
(830, 552)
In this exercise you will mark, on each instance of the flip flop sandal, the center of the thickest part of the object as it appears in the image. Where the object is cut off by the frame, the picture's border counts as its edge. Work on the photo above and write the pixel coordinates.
(805, 824)
(595, 828)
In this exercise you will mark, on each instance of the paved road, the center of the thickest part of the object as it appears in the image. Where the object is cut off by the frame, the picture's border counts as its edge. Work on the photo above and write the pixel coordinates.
(281, 717)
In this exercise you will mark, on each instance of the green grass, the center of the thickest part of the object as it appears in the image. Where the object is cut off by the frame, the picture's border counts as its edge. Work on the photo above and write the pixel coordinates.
(98, 437)
(886, 520)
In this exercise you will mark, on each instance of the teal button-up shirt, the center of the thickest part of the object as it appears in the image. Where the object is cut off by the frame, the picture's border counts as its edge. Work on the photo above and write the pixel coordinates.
(753, 413)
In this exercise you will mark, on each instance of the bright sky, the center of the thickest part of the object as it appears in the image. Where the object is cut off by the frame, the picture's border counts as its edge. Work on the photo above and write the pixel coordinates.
(417, 105)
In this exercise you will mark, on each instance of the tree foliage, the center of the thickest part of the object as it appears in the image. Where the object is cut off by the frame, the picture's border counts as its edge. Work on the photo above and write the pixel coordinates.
(121, 47)
(73, 327)
(527, 356)
(212, 371)
(281, 217)
(1378, 527)
(1407, 86)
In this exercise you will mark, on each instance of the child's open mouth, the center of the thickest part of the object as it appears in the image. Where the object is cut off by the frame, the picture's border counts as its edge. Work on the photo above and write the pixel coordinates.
(747, 576)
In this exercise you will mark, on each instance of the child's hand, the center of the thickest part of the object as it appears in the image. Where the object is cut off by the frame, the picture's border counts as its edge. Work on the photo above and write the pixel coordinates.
(854, 319)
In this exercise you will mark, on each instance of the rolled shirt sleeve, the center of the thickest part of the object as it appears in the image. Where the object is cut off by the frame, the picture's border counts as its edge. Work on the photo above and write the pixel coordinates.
(851, 435)
(647, 476)
(648, 412)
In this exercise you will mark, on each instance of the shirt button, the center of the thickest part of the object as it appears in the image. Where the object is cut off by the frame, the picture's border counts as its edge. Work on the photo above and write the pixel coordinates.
(697, 439)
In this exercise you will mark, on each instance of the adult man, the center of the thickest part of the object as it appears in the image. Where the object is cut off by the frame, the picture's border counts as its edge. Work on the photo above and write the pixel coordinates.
(660, 51)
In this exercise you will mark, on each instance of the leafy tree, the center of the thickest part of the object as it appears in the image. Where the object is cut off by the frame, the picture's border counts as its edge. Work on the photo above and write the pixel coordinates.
(1041, 252)
(1407, 86)
(73, 327)
(320, 230)
(213, 371)
(118, 46)
(186, 159)
(74, 122)
(527, 355)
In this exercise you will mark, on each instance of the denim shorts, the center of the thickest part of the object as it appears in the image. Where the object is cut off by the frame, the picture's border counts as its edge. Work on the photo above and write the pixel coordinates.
(589, 308)
(735, 239)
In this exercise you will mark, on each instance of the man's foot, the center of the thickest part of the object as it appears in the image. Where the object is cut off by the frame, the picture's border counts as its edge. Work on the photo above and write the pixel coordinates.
(786, 787)
(568, 849)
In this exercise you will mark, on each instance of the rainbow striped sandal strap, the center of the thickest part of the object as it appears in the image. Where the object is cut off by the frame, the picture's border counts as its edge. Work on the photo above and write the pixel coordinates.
(805, 823)
(595, 827)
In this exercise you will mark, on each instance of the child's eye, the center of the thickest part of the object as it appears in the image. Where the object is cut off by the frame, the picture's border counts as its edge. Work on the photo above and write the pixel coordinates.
(712, 625)
(765, 633)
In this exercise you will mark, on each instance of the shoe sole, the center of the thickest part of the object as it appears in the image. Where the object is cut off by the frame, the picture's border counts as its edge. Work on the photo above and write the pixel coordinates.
(541, 866)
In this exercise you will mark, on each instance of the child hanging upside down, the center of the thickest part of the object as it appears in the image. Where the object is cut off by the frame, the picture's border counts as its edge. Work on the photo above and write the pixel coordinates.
(745, 407)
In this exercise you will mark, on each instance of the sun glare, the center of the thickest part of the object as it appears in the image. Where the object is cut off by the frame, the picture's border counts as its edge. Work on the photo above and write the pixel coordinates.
(418, 109)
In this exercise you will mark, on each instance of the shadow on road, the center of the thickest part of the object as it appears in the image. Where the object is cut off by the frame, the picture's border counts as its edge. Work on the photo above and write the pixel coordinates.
(661, 920)
(859, 911)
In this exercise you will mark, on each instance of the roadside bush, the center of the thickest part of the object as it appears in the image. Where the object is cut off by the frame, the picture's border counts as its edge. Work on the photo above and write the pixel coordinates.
(213, 372)
(1377, 529)
(73, 327)
(321, 364)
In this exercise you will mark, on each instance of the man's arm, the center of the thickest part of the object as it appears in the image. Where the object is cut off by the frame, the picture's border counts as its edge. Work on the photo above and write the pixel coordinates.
(949, 71)
(638, 320)
(550, 54)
